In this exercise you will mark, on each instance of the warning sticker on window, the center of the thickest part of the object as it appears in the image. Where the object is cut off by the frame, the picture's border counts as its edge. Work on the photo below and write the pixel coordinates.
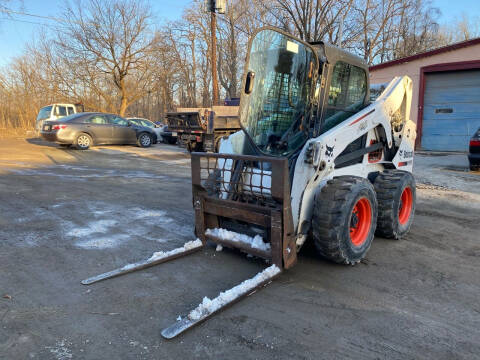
(292, 47)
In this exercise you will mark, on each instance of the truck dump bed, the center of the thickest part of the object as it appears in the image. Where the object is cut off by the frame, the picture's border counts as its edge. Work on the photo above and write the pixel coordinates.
(200, 134)
(184, 121)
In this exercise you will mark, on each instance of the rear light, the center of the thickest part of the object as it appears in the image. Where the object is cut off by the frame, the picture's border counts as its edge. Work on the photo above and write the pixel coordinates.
(58, 127)
(474, 142)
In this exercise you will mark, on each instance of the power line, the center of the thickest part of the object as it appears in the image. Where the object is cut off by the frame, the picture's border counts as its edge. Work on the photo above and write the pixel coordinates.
(25, 21)
(12, 12)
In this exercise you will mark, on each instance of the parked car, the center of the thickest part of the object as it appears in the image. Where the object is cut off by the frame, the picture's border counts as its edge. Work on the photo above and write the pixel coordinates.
(54, 112)
(150, 124)
(86, 129)
(474, 151)
(168, 136)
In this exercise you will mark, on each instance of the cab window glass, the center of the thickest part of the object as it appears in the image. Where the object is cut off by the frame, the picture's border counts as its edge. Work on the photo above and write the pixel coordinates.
(61, 111)
(70, 110)
(97, 119)
(346, 94)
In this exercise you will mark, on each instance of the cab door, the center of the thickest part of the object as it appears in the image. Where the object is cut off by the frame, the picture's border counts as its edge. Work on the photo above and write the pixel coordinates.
(123, 131)
(101, 129)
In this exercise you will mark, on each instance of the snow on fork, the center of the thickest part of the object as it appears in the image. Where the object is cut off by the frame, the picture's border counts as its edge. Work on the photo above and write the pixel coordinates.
(255, 242)
(156, 258)
(209, 306)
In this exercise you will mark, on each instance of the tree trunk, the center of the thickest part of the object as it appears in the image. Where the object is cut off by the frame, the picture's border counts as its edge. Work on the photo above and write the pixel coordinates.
(123, 104)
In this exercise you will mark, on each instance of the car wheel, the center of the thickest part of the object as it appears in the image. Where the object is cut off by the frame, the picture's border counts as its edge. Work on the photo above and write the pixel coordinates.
(83, 141)
(144, 140)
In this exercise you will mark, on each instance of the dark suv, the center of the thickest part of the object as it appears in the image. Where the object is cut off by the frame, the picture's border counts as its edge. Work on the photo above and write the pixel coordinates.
(474, 151)
(86, 129)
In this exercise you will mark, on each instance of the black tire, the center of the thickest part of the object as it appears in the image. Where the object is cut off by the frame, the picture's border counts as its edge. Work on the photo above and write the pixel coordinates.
(198, 147)
(396, 196)
(144, 140)
(344, 219)
(83, 141)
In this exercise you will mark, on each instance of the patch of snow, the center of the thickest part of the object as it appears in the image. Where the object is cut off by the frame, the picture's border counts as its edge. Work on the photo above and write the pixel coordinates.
(100, 226)
(107, 242)
(60, 351)
(209, 306)
(255, 242)
(179, 318)
(219, 248)
(128, 266)
(142, 214)
(187, 246)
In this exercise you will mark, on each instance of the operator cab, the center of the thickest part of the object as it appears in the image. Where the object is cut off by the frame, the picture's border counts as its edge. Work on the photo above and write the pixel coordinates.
(286, 97)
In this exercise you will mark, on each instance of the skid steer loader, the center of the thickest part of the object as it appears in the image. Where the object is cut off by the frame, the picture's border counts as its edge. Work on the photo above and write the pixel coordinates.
(314, 159)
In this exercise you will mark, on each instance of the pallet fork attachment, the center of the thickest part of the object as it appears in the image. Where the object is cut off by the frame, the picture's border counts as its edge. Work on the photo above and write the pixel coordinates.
(236, 191)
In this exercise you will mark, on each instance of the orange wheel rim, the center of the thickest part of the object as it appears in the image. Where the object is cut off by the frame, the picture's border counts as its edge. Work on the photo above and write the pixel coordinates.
(406, 204)
(360, 221)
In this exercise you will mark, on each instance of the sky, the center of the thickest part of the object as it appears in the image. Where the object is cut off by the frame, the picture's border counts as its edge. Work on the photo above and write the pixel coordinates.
(18, 30)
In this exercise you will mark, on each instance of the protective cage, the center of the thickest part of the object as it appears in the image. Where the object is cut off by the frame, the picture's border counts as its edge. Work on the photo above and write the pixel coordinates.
(235, 191)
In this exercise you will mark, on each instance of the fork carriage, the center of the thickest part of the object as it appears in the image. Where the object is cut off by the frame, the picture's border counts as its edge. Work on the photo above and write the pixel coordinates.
(230, 191)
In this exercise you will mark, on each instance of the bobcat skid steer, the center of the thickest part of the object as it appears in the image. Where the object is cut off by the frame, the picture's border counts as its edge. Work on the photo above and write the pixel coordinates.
(314, 159)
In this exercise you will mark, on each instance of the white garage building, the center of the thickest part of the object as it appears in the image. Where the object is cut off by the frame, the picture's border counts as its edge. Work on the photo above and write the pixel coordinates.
(446, 93)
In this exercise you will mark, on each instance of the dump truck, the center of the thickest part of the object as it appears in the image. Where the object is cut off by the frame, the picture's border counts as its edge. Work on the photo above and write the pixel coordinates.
(315, 160)
(203, 130)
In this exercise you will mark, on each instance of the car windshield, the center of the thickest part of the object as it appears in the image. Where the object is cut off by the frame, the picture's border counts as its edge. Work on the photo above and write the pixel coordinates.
(142, 122)
(44, 113)
(274, 112)
(117, 120)
(147, 123)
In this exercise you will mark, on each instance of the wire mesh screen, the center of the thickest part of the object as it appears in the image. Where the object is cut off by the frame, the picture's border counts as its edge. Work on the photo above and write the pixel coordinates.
(278, 111)
(237, 179)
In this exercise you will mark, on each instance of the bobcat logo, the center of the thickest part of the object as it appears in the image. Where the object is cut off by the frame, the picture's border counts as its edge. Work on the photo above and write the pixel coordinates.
(406, 154)
(329, 151)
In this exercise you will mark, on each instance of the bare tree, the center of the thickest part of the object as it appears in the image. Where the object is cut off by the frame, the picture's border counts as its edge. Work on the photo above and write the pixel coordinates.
(463, 28)
(109, 57)
(111, 38)
(311, 20)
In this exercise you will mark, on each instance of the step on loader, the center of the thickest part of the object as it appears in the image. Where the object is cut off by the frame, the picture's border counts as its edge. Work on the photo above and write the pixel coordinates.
(315, 159)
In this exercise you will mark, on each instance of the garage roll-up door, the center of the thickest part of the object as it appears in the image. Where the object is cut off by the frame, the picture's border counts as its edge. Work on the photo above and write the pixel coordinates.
(451, 110)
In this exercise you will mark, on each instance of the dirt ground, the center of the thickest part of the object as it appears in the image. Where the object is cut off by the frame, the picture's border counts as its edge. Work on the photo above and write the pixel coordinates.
(66, 215)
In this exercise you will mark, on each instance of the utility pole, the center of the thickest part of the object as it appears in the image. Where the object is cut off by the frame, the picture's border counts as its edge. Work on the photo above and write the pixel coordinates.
(214, 6)
(213, 29)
